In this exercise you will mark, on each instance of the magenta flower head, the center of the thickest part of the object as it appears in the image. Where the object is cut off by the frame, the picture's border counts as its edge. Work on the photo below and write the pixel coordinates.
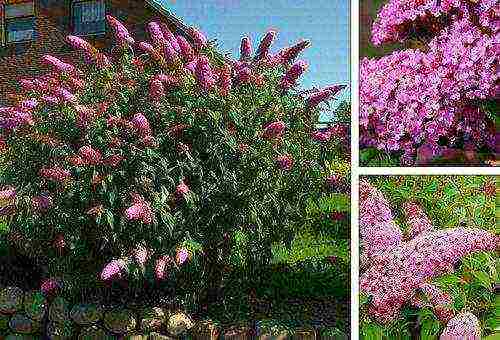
(182, 256)
(161, 266)
(464, 326)
(291, 53)
(56, 174)
(57, 64)
(265, 44)
(83, 46)
(90, 155)
(140, 210)
(186, 49)
(50, 287)
(42, 203)
(181, 190)
(7, 194)
(141, 124)
(333, 180)
(199, 38)
(204, 74)
(322, 95)
(65, 96)
(113, 270)
(171, 55)
(121, 33)
(28, 104)
(225, 79)
(140, 254)
(417, 220)
(244, 75)
(156, 34)
(293, 74)
(245, 49)
(156, 90)
(274, 130)
(320, 136)
(170, 37)
(285, 162)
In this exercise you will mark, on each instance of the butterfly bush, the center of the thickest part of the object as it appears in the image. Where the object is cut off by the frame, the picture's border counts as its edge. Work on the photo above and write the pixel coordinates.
(463, 326)
(154, 157)
(397, 274)
(422, 103)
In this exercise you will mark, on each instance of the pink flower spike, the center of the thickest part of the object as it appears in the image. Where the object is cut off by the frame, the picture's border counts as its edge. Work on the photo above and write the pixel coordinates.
(182, 256)
(293, 74)
(57, 64)
(156, 34)
(199, 38)
(274, 130)
(41, 203)
(161, 267)
(49, 287)
(186, 49)
(121, 33)
(225, 79)
(7, 194)
(464, 326)
(291, 53)
(82, 45)
(90, 155)
(320, 136)
(181, 190)
(265, 44)
(141, 124)
(156, 90)
(245, 49)
(285, 162)
(113, 270)
(170, 37)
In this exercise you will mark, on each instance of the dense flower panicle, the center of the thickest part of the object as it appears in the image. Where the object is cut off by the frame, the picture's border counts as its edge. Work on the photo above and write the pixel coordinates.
(57, 64)
(244, 75)
(181, 190)
(440, 301)
(56, 174)
(186, 49)
(140, 210)
(90, 155)
(293, 74)
(42, 203)
(199, 38)
(65, 96)
(140, 254)
(50, 286)
(170, 37)
(85, 115)
(412, 98)
(113, 160)
(82, 45)
(149, 49)
(121, 33)
(113, 270)
(204, 74)
(141, 124)
(171, 55)
(266, 42)
(182, 256)
(289, 54)
(245, 49)
(7, 194)
(274, 130)
(378, 232)
(161, 266)
(285, 162)
(321, 136)
(464, 326)
(156, 34)
(417, 219)
(156, 90)
(225, 81)
(396, 274)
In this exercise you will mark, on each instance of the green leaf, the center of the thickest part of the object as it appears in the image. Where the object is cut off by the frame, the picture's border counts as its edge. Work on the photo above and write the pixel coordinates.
(110, 218)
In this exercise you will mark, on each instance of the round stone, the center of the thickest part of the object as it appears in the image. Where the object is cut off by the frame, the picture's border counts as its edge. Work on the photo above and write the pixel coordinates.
(86, 314)
(179, 323)
(35, 305)
(11, 300)
(59, 310)
(152, 319)
(20, 323)
(120, 321)
(94, 332)
(60, 330)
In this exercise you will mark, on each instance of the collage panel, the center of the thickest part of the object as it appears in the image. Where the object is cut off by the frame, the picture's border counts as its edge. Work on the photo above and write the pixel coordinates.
(175, 169)
(428, 83)
(428, 257)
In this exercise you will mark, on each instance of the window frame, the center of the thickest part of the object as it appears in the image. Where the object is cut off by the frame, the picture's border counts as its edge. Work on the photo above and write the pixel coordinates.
(5, 21)
(72, 18)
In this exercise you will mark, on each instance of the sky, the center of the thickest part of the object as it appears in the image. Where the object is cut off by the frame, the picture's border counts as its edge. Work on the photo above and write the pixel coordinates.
(324, 22)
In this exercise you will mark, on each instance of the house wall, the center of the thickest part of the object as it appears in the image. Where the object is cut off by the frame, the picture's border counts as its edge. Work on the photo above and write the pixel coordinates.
(52, 25)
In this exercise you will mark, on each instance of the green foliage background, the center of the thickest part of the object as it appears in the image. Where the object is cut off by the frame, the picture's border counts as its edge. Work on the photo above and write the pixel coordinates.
(449, 201)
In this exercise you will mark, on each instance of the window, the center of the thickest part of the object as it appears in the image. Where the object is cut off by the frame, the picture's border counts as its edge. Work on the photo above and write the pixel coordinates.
(18, 22)
(2, 28)
(89, 17)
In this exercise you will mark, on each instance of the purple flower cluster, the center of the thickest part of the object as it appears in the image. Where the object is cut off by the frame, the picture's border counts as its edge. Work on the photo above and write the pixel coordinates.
(464, 326)
(418, 221)
(400, 269)
(413, 101)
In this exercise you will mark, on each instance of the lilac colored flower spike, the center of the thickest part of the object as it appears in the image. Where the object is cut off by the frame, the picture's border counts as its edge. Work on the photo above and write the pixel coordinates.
(293, 74)
(170, 37)
(274, 130)
(57, 64)
(28, 104)
(161, 266)
(244, 75)
(156, 90)
(181, 256)
(265, 44)
(65, 95)
(285, 162)
(418, 221)
(204, 74)
(50, 287)
(42, 202)
(322, 95)
(225, 79)
(186, 49)
(156, 34)
(82, 45)
(113, 270)
(464, 326)
(378, 232)
(171, 55)
(7, 194)
(141, 124)
(289, 54)
(199, 38)
(245, 49)
(121, 33)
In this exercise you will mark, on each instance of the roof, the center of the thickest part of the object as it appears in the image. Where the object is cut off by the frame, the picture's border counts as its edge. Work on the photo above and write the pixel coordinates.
(162, 9)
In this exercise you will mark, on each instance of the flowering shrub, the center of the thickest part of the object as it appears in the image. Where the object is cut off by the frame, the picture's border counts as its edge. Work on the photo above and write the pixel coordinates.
(397, 274)
(148, 162)
(421, 104)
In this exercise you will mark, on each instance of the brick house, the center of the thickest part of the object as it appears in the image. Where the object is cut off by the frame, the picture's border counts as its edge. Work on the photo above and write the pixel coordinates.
(30, 29)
